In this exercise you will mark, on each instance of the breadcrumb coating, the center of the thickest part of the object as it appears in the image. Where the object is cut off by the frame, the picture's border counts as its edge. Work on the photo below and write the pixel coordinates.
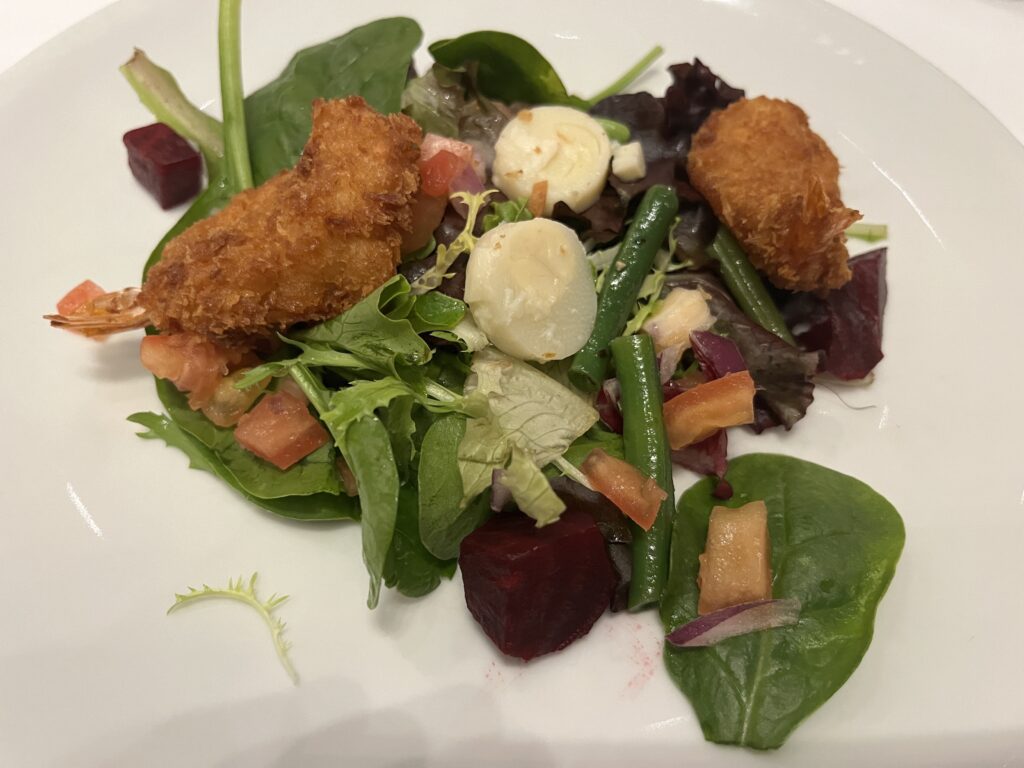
(775, 183)
(304, 246)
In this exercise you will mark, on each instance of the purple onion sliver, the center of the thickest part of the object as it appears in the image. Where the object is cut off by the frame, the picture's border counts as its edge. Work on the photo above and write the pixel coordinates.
(607, 405)
(716, 354)
(735, 620)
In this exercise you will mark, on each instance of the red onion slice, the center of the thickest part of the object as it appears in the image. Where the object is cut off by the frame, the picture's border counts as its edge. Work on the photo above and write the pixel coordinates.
(735, 620)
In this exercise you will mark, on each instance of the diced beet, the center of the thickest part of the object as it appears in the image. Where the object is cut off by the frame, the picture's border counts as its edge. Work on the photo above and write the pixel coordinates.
(535, 590)
(847, 323)
(614, 527)
(164, 163)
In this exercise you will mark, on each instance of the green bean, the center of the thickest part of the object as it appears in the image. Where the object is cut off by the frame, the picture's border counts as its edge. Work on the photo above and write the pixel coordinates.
(646, 447)
(745, 285)
(622, 283)
(616, 131)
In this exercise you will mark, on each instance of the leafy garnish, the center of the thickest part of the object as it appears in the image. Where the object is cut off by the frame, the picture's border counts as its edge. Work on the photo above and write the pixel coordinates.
(507, 211)
(530, 489)
(446, 254)
(245, 592)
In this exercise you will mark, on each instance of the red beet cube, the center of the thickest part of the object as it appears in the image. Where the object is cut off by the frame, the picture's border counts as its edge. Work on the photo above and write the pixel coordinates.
(164, 163)
(535, 590)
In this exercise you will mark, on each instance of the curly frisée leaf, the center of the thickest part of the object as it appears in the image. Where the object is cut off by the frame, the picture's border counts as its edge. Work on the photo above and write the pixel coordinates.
(244, 592)
(447, 254)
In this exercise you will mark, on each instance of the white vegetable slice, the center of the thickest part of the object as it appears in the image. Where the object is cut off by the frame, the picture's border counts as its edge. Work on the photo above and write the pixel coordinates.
(530, 289)
(628, 162)
(562, 146)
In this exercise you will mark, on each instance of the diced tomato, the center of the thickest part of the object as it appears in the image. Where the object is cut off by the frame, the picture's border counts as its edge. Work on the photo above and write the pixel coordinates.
(638, 496)
(227, 404)
(281, 430)
(437, 173)
(287, 384)
(699, 412)
(192, 364)
(427, 212)
(78, 297)
(433, 144)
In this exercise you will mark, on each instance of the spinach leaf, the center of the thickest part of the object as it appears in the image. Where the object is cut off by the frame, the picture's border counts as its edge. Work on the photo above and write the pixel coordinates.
(252, 475)
(510, 69)
(436, 311)
(835, 544)
(369, 456)
(410, 568)
(443, 523)
(371, 61)
(401, 426)
(609, 442)
(317, 506)
(507, 211)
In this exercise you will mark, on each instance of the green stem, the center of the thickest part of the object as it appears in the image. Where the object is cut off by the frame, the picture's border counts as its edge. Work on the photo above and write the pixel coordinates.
(870, 232)
(310, 387)
(160, 93)
(231, 95)
(616, 131)
(632, 74)
(746, 286)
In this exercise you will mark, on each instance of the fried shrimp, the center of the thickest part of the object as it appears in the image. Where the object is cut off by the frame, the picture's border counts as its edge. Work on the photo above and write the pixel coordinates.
(305, 246)
(775, 183)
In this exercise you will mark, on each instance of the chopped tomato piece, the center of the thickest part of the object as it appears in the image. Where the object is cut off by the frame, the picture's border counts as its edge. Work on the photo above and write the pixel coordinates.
(736, 566)
(433, 144)
(228, 403)
(438, 172)
(427, 212)
(78, 297)
(192, 364)
(281, 430)
(638, 496)
(700, 412)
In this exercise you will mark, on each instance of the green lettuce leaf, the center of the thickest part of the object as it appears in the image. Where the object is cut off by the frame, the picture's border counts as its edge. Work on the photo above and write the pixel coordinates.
(527, 409)
(508, 211)
(531, 489)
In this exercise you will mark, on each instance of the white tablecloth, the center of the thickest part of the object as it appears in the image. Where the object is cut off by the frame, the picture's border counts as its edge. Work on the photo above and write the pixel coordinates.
(978, 43)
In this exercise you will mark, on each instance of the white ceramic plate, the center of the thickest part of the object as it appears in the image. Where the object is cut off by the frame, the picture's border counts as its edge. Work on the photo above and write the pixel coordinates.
(100, 529)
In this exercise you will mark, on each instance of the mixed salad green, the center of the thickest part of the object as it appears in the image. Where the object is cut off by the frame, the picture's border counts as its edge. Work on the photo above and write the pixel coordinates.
(434, 429)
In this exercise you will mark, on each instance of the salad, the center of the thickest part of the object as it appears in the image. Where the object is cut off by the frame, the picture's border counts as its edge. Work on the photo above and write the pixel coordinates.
(485, 318)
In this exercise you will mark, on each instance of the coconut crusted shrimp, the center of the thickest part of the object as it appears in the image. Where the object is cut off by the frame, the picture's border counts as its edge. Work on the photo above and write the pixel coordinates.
(305, 246)
(775, 184)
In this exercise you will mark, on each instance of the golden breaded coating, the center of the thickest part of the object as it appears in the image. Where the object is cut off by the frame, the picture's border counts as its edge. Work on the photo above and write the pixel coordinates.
(304, 246)
(775, 183)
